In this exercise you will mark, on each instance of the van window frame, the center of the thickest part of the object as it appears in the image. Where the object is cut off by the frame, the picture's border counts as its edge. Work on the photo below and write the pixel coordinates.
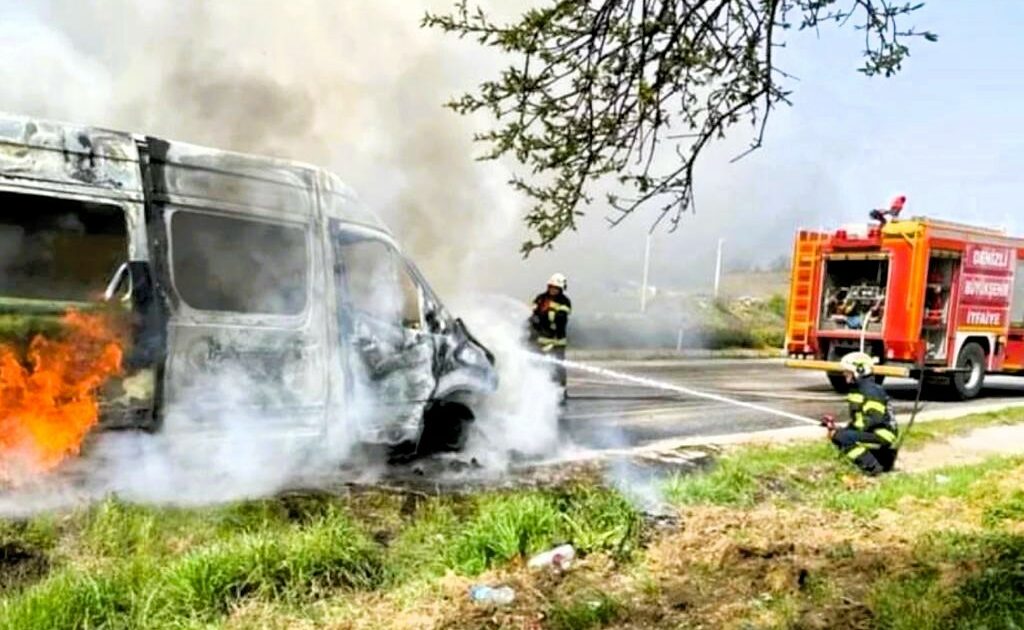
(134, 240)
(221, 316)
(340, 232)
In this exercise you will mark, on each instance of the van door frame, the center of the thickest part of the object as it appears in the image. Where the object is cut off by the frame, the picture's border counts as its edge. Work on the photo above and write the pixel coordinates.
(133, 206)
(160, 209)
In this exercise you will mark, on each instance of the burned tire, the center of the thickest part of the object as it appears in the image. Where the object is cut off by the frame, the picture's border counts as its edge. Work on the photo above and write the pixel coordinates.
(969, 378)
(445, 428)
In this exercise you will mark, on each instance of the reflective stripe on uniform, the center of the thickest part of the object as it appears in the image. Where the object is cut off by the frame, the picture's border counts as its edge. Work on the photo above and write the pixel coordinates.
(874, 405)
(858, 421)
(548, 341)
(856, 451)
(855, 398)
(554, 306)
(886, 435)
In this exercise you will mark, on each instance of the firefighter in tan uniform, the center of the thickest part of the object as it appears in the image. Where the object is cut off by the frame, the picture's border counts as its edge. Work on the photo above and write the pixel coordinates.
(549, 324)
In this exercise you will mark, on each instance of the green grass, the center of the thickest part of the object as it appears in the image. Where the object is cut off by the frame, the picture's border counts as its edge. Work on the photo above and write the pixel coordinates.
(1010, 509)
(957, 481)
(506, 527)
(985, 588)
(300, 558)
(20, 329)
(911, 602)
(328, 554)
(814, 473)
(146, 588)
(519, 525)
(750, 474)
(116, 565)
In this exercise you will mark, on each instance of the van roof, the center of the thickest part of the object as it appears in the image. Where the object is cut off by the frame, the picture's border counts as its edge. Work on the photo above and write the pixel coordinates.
(73, 155)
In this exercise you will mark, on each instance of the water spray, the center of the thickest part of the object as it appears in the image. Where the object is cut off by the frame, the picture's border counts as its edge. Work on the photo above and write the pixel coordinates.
(679, 389)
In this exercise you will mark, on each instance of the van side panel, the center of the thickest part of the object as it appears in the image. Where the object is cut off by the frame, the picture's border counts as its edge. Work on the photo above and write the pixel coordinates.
(39, 151)
(234, 354)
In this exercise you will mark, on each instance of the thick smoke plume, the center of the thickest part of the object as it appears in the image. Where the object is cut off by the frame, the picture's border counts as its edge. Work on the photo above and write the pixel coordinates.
(354, 87)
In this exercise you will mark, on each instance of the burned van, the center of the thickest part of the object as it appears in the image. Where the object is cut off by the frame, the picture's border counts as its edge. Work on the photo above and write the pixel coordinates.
(250, 286)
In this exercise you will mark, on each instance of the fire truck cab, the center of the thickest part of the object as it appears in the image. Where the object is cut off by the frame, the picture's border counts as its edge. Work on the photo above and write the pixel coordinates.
(932, 296)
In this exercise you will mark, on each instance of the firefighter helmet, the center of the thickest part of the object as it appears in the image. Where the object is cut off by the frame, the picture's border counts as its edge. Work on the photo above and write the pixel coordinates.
(558, 280)
(857, 363)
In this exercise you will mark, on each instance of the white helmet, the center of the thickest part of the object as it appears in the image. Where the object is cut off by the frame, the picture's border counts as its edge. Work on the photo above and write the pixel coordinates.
(558, 280)
(857, 363)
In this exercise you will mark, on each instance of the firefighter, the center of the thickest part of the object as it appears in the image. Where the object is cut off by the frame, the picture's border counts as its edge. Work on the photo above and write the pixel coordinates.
(868, 440)
(549, 323)
(894, 210)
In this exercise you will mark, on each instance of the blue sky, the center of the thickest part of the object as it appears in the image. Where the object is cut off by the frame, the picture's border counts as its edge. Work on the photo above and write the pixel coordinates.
(946, 130)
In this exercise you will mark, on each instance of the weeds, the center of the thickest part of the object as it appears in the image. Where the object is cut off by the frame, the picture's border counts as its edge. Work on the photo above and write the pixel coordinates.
(147, 590)
(1010, 509)
(304, 558)
(944, 482)
(518, 525)
(600, 520)
(328, 554)
(984, 588)
(591, 610)
(741, 479)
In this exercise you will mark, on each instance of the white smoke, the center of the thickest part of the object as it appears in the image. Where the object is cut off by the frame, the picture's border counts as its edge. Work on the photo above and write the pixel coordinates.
(356, 88)
(522, 417)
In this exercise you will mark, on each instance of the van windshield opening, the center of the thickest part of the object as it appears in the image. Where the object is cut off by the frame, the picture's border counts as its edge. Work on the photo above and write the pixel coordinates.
(854, 293)
(58, 250)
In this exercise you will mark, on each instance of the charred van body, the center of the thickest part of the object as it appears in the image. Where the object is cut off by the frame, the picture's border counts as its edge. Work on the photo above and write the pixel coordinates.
(247, 281)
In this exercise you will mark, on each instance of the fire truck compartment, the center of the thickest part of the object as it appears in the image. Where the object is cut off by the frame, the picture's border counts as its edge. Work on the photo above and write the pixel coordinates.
(854, 292)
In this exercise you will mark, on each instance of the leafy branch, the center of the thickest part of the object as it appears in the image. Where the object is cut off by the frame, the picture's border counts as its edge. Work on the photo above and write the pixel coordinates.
(601, 88)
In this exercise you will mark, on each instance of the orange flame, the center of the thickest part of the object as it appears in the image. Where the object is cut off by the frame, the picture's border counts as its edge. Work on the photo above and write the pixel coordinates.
(48, 398)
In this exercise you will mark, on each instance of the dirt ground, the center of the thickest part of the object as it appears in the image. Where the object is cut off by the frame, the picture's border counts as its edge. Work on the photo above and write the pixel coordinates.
(724, 567)
(970, 448)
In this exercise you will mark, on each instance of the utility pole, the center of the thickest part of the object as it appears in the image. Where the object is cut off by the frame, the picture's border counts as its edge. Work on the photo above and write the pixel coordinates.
(718, 266)
(647, 265)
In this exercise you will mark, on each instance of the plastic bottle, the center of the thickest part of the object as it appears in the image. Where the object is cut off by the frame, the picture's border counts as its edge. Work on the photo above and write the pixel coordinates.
(560, 557)
(483, 594)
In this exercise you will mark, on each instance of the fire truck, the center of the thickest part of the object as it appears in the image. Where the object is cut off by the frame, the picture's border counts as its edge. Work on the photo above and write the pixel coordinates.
(927, 298)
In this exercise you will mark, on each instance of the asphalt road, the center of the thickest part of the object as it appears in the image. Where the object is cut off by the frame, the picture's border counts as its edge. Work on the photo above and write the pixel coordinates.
(604, 412)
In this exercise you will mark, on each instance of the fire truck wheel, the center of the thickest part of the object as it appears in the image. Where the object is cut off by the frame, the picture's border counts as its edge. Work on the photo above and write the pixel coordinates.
(967, 384)
(838, 383)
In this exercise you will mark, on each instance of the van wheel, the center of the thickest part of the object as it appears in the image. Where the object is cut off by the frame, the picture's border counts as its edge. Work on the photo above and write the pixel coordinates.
(969, 378)
(445, 428)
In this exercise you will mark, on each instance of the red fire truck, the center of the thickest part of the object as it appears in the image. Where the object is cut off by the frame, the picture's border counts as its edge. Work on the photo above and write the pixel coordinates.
(928, 298)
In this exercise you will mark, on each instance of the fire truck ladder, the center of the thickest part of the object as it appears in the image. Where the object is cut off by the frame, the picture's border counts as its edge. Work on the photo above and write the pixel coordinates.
(801, 291)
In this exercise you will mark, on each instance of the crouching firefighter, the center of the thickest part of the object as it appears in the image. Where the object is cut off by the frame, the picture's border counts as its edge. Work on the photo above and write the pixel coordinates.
(870, 437)
(549, 323)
